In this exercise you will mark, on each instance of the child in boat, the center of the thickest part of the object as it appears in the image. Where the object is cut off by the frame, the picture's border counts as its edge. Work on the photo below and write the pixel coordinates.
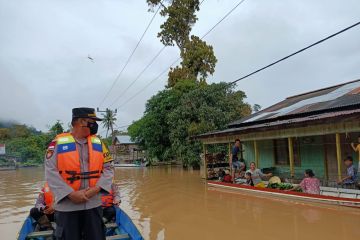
(43, 212)
(310, 184)
(227, 178)
(249, 180)
(109, 200)
(350, 180)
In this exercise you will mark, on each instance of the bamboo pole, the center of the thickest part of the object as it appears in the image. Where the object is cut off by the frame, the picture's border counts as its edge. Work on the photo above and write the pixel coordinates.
(291, 156)
(338, 155)
(256, 153)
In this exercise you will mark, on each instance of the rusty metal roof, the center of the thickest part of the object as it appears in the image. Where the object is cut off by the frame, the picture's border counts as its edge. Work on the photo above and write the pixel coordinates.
(332, 99)
(329, 104)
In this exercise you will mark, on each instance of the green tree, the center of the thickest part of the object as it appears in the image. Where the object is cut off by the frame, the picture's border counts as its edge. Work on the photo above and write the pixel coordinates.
(56, 128)
(256, 107)
(198, 58)
(173, 116)
(201, 110)
(109, 119)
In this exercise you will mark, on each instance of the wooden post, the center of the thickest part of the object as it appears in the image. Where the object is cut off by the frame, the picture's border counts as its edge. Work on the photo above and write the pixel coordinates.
(291, 156)
(256, 153)
(232, 173)
(229, 152)
(205, 162)
(338, 155)
(326, 169)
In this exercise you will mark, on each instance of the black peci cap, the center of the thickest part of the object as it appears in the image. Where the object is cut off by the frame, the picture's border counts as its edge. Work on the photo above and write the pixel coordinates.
(84, 112)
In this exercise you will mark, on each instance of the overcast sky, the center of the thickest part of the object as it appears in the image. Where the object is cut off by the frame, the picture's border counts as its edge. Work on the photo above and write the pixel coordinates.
(45, 44)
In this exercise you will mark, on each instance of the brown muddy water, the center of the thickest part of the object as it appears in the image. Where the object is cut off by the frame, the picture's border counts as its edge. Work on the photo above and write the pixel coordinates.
(170, 203)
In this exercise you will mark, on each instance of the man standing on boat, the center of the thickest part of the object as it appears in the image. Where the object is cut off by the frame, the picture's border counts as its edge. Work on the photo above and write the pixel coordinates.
(235, 162)
(78, 168)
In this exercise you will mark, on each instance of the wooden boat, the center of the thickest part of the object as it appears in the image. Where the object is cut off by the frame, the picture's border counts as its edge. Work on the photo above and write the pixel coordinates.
(328, 195)
(123, 228)
(125, 165)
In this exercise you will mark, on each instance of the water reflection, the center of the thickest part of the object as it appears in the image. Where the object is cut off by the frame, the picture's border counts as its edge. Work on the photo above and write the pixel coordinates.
(170, 203)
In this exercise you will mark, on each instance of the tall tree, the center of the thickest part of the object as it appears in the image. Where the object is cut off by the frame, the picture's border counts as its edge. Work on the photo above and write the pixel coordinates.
(57, 128)
(109, 119)
(198, 58)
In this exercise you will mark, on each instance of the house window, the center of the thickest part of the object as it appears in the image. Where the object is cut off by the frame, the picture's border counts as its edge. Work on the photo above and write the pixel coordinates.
(281, 152)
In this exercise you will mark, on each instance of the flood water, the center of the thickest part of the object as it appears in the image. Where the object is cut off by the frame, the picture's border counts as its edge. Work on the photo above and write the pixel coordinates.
(170, 203)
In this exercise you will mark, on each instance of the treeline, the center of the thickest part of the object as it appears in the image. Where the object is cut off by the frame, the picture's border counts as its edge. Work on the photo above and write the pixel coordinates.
(26, 143)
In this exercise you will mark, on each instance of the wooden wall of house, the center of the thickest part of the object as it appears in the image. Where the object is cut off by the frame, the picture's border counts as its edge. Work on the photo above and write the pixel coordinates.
(316, 152)
(266, 153)
(311, 156)
(311, 153)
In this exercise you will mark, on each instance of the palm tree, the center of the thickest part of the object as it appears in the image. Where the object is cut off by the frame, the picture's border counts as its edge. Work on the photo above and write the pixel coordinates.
(109, 119)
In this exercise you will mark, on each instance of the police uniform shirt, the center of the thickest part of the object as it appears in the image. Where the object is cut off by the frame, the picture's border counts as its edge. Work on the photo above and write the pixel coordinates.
(61, 189)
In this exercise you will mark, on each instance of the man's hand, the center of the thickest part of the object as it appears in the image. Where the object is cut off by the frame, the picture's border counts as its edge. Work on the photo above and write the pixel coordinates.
(117, 202)
(49, 210)
(78, 196)
(90, 192)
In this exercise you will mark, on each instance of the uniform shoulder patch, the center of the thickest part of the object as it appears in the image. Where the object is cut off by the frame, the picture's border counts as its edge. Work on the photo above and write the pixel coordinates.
(106, 153)
(52, 145)
(50, 149)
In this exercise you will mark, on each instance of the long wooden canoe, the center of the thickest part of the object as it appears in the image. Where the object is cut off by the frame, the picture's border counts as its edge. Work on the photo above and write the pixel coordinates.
(123, 228)
(333, 196)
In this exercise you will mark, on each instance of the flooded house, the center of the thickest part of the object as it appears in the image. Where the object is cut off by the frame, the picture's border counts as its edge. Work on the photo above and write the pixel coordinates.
(313, 130)
(126, 151)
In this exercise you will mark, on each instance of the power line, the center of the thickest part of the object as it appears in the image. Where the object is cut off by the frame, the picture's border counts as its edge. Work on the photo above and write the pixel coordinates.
(297, 52)
(165, 70)
(263, 68)
(138, 76)
(130, 56)
(142, 71)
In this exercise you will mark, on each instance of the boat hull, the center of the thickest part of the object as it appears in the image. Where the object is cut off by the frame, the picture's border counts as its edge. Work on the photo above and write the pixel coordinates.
(125, 226)
(287, 195)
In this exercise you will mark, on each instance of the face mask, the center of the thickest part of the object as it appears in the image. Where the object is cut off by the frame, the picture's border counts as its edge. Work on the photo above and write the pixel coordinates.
(93, 127)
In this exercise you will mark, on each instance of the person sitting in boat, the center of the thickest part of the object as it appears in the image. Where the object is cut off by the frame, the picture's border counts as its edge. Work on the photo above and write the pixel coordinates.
(43, 212)
(248, 178)
(310, 184)
(257, 174)
(227, 178)
(109, 200)
(350, 180)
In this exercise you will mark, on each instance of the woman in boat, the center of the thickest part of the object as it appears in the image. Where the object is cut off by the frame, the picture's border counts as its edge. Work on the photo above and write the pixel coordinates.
(310, 184)
(257, 174)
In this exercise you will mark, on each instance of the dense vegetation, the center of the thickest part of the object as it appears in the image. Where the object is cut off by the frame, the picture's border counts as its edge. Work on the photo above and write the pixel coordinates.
(189, 105)
(25, 143)
(173, 116)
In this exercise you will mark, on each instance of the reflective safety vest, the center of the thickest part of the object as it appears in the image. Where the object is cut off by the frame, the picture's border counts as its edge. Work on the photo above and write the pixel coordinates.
(107, 199)
(68, 160)
(48, 195)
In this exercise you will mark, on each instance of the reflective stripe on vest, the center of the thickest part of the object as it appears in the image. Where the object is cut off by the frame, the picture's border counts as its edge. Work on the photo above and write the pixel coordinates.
(48, 195)
(107, 199)
(68, 160)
